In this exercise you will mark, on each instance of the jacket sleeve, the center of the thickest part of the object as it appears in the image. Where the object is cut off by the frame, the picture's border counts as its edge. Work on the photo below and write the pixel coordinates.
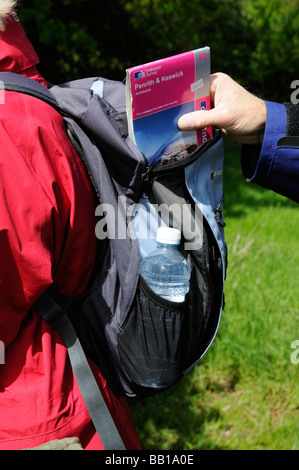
(275, 164)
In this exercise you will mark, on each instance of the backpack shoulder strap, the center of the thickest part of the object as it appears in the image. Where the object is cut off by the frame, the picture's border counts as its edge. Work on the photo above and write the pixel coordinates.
(94, 400)
(15, 82)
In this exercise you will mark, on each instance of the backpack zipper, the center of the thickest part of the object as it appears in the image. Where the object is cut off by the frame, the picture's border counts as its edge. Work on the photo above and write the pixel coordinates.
(151, 171)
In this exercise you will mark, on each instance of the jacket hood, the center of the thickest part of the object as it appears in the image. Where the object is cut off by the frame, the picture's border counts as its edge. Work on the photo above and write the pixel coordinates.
(16, 51)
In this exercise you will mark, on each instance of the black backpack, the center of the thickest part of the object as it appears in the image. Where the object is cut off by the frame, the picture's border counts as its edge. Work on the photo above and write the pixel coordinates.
(132, 334)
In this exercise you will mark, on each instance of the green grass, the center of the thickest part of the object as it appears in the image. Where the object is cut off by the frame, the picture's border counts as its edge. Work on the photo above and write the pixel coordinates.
(244, 394)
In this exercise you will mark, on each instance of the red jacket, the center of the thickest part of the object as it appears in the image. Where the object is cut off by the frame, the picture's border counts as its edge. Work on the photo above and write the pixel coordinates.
(47, 235)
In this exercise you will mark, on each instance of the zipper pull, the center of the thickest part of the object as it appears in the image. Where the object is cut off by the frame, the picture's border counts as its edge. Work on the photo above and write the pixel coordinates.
(146, 174)
(218, 213)
(146, 177)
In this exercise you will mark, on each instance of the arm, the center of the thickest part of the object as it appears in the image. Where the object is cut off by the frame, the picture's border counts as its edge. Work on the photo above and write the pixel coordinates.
(25, 268)
(266, 160)
(275, 163)
(46, 211)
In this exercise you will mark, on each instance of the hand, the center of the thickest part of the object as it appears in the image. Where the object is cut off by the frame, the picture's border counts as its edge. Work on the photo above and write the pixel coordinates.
(238, 113)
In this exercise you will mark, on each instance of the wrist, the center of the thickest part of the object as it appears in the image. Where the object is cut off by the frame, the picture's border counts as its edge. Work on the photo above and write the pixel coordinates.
(261, 116)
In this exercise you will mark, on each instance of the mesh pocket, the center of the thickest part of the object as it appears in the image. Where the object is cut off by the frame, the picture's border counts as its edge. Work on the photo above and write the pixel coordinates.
(150, 346)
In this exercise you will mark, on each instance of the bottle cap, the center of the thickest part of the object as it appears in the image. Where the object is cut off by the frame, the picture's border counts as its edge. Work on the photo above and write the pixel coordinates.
(169, 235)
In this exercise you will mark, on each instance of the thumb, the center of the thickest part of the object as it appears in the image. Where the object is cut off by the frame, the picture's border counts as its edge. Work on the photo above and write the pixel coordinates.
(198, 119)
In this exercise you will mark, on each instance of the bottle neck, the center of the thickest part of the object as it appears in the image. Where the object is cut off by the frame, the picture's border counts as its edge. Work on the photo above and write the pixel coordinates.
(167, 246)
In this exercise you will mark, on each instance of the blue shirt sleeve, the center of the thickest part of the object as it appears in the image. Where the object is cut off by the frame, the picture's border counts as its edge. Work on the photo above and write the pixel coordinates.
(276, 162)
(275, 129)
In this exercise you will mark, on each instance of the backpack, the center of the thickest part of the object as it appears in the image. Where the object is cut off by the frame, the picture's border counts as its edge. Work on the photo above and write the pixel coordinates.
(131, 333)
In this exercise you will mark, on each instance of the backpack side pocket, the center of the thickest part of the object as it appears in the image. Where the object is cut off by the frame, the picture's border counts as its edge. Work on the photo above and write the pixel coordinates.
(151, 343)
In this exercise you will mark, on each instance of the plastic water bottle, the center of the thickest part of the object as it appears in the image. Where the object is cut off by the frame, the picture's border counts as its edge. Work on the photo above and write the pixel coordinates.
(165, 269)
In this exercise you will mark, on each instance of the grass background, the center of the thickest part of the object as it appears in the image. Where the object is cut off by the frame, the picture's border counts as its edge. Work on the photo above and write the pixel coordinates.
(244, 394)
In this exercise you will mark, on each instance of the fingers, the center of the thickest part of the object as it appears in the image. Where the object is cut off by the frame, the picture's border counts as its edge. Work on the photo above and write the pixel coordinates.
(200, 119)
(238, 113)
(197, 120)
